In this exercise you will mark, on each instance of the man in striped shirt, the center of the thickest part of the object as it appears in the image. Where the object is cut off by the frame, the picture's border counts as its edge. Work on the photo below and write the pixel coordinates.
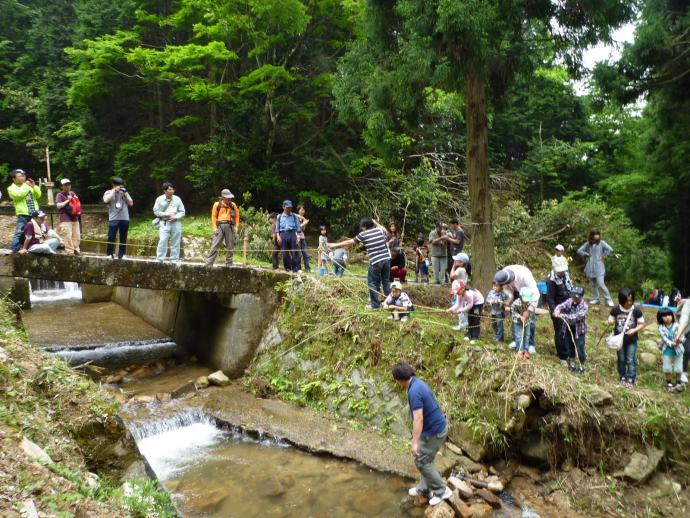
(375, 240)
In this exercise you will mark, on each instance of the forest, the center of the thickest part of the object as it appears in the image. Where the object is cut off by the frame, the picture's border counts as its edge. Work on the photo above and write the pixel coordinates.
(408, 110)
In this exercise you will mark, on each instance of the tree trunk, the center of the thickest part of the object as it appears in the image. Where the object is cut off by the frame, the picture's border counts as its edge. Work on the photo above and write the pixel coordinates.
(483, 258)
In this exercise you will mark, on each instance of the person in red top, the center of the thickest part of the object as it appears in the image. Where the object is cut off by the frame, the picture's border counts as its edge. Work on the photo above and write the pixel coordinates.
(69, 208)
(225, 221)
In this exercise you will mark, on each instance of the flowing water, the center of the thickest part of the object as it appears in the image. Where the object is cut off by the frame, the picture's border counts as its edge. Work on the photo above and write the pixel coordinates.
(223, 472)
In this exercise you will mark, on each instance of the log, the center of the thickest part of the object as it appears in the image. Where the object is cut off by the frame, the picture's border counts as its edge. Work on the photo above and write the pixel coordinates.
(490, 498)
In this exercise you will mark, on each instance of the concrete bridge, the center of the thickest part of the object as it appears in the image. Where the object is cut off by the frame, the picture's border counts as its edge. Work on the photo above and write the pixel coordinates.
(218, 314)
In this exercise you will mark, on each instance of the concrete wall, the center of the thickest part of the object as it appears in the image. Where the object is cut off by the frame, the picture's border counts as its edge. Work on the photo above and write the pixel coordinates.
(223, 331)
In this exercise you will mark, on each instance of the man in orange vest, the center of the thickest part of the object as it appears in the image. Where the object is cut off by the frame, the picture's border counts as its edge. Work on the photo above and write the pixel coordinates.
(225, 221)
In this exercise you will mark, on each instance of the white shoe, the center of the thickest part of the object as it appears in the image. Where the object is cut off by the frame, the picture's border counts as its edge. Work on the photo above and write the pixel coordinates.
(404, 319)
(593, 302)
(467, 339)
(609, 303)
(109, 256)
(435, 500)
(684, 377)
(414, 491)
(531, 350)
(512, 345)
(457, 328)
(124, 257)
(472, 342)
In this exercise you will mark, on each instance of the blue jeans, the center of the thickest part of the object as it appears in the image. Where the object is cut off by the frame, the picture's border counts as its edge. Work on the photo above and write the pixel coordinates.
(497, 324)
(18, 237)
(291, 254)
(574, 349)
(337, 269)
(379, 275)
(521, 334)
(627, 361)
(115, 226)
(169, 233)
(49, 246)
(305, 255)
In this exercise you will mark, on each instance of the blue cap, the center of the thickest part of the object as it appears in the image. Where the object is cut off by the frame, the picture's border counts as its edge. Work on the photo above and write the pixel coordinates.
(287, 203)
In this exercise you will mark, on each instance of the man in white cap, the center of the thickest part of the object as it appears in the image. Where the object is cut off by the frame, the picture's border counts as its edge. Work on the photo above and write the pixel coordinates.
(225, 221)
(512, 279)
(69, 209)
(39, 238)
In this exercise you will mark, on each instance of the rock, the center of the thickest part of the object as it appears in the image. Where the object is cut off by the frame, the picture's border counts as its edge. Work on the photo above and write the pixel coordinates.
(496, 486)
(3, 356)
(200, 496)
(535, 449)
(651, 345)
(446, 460)
(464, 490)
(560, 499)
(271, 486)
(442, 510)
(524, 401)
(421, 501)
(142, 399)
(202, 382)
(183, 389)
(665, 483)
(481, 510)
(598, 396)
(452, 447)
(136, 469)
(469, 465)
(470, 442)
(648, 358)
(462, 510)
(28, 509)
(219, 379)
(407, 503)
(162, 397)
(490, 498)
(641, 466)
(35, 452)
(529, 472)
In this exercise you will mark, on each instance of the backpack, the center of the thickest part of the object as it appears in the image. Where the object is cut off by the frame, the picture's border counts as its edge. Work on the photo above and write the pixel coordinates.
(231, 207)
(656, 297)
(294, 216)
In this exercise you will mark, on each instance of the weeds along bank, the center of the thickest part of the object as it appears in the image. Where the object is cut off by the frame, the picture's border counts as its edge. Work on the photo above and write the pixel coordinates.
(62, 450)
(326, 351)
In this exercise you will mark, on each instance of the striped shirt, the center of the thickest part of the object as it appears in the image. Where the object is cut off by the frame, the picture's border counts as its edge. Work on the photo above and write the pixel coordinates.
(375, 241)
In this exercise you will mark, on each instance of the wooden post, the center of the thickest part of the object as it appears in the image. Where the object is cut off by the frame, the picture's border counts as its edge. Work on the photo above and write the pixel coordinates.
(245, 245)
(48, 183)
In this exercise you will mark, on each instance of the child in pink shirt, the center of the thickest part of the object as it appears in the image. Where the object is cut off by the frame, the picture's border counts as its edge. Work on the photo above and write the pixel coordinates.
(470, 302)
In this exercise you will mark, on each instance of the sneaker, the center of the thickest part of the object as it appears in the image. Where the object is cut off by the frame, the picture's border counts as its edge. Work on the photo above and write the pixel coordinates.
(457, 328)
(415, 491)
(390, 317)
(472, 342)
(610, 303)
(631, 384)
(581, 369)
(679, 388)
(532, 350)
(109, 256)
(624, 382)
(370, 307)
(593, 302)
(684, 377)
(435, 500)
(124, 258)
(669, 387)
(467, 339)
(404, 319)
(572, 367)
(512, 345)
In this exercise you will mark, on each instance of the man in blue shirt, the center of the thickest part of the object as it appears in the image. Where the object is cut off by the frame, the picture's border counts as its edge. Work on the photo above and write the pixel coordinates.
(285, 234)
(429, 432)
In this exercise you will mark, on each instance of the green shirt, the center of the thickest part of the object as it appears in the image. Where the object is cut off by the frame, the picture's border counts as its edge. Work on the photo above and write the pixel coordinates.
(439, 249)
(18, 195)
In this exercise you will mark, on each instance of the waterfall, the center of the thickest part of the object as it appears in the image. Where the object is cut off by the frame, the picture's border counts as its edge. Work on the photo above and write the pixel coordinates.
(43, 291)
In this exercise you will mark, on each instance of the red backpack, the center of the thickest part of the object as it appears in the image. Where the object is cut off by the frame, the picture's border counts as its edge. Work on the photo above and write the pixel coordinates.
(73, 208)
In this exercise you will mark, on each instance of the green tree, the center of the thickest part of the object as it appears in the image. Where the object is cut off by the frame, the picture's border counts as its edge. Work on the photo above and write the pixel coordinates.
(473, 48)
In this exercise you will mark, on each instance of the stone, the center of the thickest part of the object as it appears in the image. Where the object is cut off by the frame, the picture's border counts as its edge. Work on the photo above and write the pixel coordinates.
(495, 486)
(452, 447)
(469, 465)
(648, 358)
(136, 470)
(28, 509)
(560, 499)
(202, 382)
(92, 481)
(446, 460)
(464, 490)
(535, 449)
(421, 501)
(142, 399)
(442, 510)
(490, 498)
(641, 466)
(471, 443)
(651, 345)
(183, 389)
(481, 510)
(271, 486)
(406, 503)
(524, 401)
(462, 510)
(35, 452)
(219, 379)
(200, 496)
(3, 356)
(598, 396)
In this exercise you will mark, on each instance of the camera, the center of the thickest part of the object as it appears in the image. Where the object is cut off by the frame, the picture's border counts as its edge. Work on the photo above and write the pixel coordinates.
(123, 190)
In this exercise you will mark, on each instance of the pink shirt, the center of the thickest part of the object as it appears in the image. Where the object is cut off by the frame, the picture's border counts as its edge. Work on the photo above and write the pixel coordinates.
(470, 299)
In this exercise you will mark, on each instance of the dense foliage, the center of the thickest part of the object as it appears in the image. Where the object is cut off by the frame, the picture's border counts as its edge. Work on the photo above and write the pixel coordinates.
(355, 107)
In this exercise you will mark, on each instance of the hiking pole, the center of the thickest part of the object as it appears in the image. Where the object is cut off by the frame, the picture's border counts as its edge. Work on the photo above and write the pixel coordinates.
(572, 337)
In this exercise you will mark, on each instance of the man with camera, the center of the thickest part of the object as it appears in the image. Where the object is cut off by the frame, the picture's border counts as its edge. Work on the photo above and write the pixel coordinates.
(25, 195)
(119, 201)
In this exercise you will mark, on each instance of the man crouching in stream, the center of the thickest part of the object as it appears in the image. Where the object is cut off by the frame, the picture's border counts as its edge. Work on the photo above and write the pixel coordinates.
(429, 432)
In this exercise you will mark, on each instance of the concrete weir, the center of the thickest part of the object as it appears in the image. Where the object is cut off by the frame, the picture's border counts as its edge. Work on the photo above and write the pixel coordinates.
(218, 314)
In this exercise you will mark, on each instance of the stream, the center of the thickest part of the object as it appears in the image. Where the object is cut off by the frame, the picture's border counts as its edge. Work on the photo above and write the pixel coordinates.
(211, 469)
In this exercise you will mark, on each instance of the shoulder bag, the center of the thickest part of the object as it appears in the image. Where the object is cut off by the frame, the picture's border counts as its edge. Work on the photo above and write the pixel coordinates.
(615, 341)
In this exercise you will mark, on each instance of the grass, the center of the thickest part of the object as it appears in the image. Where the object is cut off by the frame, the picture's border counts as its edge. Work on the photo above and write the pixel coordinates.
(325, 324)
(74, 421)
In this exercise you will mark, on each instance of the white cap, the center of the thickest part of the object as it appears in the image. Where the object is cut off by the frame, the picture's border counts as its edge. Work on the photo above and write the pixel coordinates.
(64, 181)
(560, 248)
(395, 285)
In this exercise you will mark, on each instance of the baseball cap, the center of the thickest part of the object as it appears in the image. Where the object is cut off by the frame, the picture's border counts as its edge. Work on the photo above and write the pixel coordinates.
(225, 193)
(560, 248)
(396, 285)
(38, 214)
(287, 203)
(504, 277)
(64, 181)
(116, 180)
(462, 257)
